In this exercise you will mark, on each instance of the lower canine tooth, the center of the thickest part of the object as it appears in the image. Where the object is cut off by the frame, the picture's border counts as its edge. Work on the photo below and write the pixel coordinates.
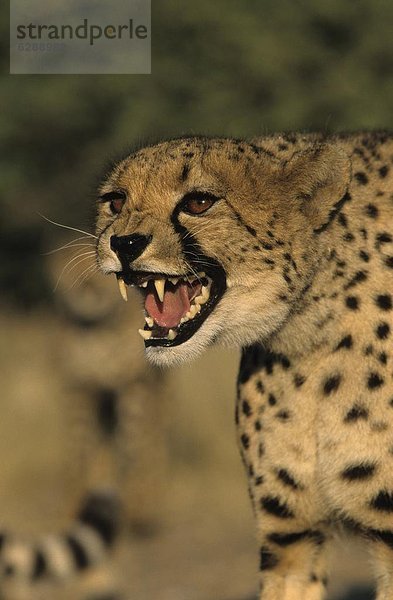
(171, 334)
(160, 287)
(145, 334)
(122, 289)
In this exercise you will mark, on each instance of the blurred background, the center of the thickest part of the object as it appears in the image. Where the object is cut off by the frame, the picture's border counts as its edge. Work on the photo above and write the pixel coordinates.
(227, 68)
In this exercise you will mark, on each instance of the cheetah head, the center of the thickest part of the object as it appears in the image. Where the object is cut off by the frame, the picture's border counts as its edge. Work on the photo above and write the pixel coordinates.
(220, 236)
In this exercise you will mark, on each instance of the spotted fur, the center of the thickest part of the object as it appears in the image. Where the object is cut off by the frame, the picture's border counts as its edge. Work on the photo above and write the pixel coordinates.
(303, 227)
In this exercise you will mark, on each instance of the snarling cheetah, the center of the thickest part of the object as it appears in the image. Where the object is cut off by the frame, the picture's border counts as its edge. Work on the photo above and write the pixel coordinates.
(281, 245)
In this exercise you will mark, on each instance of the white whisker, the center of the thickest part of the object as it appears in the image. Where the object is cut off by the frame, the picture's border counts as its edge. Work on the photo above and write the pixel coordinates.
(68, 227)
(82, 277)
(86, 256)
(66, 247)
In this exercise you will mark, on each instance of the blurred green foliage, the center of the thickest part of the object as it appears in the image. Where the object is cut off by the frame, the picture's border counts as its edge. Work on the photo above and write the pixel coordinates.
(229, 67)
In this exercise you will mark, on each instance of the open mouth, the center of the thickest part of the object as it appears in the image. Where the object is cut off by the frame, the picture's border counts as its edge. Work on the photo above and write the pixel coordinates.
(175, 305)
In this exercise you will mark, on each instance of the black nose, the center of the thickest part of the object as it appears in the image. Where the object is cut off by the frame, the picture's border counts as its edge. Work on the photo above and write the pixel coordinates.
(129, 247)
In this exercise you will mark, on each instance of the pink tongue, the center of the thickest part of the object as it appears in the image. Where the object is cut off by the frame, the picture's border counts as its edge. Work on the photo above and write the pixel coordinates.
(169, 312)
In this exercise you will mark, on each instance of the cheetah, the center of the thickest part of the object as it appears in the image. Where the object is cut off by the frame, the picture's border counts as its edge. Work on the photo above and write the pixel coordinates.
(282, 246)
(111, 405)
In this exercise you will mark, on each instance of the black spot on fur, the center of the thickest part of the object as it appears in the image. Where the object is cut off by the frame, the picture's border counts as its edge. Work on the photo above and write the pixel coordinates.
(268, 560)
(359, 277)
(331, 384)
(39, 566)
(383, 171)
(357, 412)
(361, 177)
(283, 415)
(346, 342)
(364, 256)
(272, 400)
(245, 440)
(374, 381)
(246, 408)
(260, 387)
(298, 380)
(372, 211)
(81, 559)
(273, 506)
(257, 425)
(101, 513)
(383, 238)
(352, 302)
(382, 331)
(383, 501)
(287, 479)
(383, 358)
(107, 410)
(384, 301)
(389, 262)
(259, 480)
(357, 472)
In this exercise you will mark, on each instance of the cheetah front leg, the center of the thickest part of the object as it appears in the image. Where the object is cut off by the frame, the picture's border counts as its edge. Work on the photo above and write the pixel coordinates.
(293, 565)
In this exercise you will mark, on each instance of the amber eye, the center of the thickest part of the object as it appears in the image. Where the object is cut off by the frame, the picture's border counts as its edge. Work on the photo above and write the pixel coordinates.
(116, 200)
(198, 202)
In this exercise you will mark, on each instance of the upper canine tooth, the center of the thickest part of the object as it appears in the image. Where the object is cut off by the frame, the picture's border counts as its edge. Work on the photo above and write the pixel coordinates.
(145, 334)
(205, 292)
(122, 288)
(160, 287)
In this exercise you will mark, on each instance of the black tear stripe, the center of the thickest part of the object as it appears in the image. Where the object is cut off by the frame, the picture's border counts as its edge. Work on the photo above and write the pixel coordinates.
(334, 212)
(191, 248)
(287, 539)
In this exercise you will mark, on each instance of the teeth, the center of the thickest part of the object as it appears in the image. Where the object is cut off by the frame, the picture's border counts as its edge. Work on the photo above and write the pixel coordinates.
(174, 280)
(160, 287)
(149, 321)
(122, 289)
(193, 311)
(144, 284)
(171, 334)
(145, 334)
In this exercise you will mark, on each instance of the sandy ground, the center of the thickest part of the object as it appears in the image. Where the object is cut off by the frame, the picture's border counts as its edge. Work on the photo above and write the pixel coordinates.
(203, 547)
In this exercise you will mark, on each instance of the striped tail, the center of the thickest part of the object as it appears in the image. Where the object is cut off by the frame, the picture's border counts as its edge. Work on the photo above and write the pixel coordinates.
(62, 556)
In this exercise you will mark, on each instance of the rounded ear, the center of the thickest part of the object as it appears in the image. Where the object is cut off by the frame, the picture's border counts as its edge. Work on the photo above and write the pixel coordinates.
(319, 178)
